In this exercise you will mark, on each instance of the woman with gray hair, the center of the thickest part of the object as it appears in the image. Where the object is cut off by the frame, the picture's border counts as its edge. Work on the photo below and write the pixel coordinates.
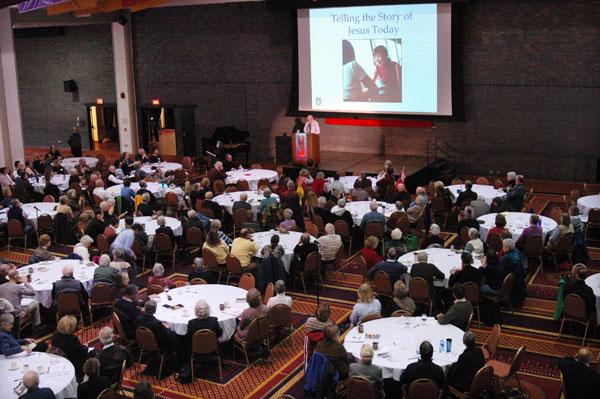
(82, 248)
(400, 301)
(365, 369)
(475, 245)
(288, 223)
(203, 321)
(199, 271)
(104, 273)
(433, 237)
(158, 278)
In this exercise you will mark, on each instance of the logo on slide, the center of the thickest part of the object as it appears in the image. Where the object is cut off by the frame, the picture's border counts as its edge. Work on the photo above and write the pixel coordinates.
(318, 100)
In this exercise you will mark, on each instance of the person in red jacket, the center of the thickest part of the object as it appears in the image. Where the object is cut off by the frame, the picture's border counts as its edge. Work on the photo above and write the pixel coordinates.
(369, 252)
(318, 185)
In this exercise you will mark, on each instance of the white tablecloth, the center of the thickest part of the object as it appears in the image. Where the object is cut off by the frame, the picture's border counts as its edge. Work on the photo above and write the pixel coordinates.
(226, 200)
(155, 188)
(150, 224)
(488, 192)
(287, 241)
(70, 162)
(252, 176)
(358, 209)
(586, 203)
(594, 282)
(399, 341)
(445, 260)
(55, 372)
(214, 294)
(515, 223)
(62, 181)
(150, 168)
(348, 182)
(46, 273)
(31, 212)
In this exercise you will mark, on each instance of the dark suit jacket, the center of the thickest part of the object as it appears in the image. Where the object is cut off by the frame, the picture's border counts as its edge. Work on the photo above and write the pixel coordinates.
(580, 381)
(74, 351)
(145, 209)
(161, 333)
(92, 387)
(468, 274)
(428, 272)
(346, 217)
(52, 189)
(39, 393)
(579, 287)
(431, 239)
(210, 323)
(94, 228)
(168, 231)
(324, 213)
(215, 174)
(421, 369)
(462, 372)
(128, 313)
(394, 269)
(466, 195)
(214, 207)
(111, 360)
(207, 276)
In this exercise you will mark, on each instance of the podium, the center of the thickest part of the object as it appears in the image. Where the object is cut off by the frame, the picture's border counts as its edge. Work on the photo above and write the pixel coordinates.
(305, 147)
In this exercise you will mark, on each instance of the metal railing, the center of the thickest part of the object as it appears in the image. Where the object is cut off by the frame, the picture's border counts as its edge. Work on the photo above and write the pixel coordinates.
(441, 149)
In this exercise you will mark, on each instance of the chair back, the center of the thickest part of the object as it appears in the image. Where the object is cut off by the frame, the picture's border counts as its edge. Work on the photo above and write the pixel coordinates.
(193, 236)
(247, 281)
(401, 313)
(371, 316)
(67, 303)
(15, 228)
(565, 244)
(171, 199)
(48, 198)
(515, 365)
(198, 281)
(471, 292)
(507, 286)
(423, 388)
(101, 294)
(594, 216)
(312, 262)
(146, 340)
(418, 289)
(318, 221)
(360, 387)
(103, 244)
(341, 228)
(268, 293)
(240, 216)
(438, 205)
(218, 187)
(456, 180)
(263, 183)
(280, 315)
(533, 246)
(311, 229)
(242, 185)
(575, 270)
(491, 344)
(108, 393)
(118, 327)
(403, 224)
(498, 184)
(162, 243)
(383, 283)
(186, 163)
(204, 342)
(482, 180)
(464, 236)
(258, 330)
(180, 283)
(575, 307)
(45, 222)
(374, 229)
(210, 260)
(481, 382)
(154, 289)
(233, 265)
(494, 242)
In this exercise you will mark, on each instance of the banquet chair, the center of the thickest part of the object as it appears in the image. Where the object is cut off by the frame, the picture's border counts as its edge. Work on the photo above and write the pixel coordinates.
(312, 268)
(139, 252)
(100, 297)
(45, 225)
(494, 241)
(247, 281)
(198, 281)
(575, 270)
(154, 289)
(504, 371)
(562, 250)
(401, 313)
(464, 236)
(16, 231)
(103, 244)
(108, 393)
(371, 316)
(210, 263)
(147, 343)
(418, 291)
(218, 187)
(164, 247)
(118, 327)
(503, 296)
(268, 293)
(234, 268)
(481, 383)
(240, 216)
(180, 176)
(491, 343)
(242, 185)
(231, 189)
(343, 230)
(118, 386)
(482, 180)
(258, 333)
(48, 198)
(383, 284)
(456, 180)
(67, 303)
(312, 229)
(193, 240)
(575, 311)
(205, 343)
(256, 165)
(403, 224)
(423, 388)
(318, 221)
(532, 248)
(360, 387)
(180, 283)
(280, 318)
(438, 211)
(187, 164)
(498, 184)
(472, 295)
(593, 221)
(263, 183)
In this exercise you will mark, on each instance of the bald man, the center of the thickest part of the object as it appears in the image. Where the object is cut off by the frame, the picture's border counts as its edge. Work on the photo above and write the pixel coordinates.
(580, 380)
(31, 381)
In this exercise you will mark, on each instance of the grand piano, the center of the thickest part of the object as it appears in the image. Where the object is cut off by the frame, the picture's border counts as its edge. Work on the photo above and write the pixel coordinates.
(227, 140)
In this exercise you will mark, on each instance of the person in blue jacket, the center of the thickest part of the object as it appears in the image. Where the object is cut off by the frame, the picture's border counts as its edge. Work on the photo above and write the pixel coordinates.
(9, 345)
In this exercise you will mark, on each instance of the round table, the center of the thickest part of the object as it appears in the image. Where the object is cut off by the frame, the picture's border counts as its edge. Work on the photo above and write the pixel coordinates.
(150, 224)
(399, 341)
(39, 184)
(155, 188)
(46, 273)
(348, 182)
(48, 208)
(358, 209)
(443, 258)
(593, 281)
(150, 168)
(71, 162)
(515, 223)
(252, 176)
(214, 294)
(486, 191)
(226, 200)
(56, 373)
(288, 241)
(586, 203)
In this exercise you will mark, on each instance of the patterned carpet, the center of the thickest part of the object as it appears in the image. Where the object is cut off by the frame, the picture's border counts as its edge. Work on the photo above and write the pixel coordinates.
(531, 325)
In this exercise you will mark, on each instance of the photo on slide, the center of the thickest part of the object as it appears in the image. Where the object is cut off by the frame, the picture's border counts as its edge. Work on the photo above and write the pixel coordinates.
(372, 70)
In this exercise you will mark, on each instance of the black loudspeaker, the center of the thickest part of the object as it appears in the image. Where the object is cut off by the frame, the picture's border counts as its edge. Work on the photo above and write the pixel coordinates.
(70, 86)
(283, 149)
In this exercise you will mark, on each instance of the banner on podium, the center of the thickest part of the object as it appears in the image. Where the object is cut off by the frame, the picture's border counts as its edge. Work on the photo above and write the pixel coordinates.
(301, 147)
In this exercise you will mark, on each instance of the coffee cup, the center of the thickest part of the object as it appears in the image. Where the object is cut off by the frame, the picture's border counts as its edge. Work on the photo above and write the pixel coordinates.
(14, 365)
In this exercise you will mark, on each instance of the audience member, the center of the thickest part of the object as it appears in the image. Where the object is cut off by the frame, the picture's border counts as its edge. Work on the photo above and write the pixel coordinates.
(158, 277)
(333, 350)
(68, 284)
(104, 273)
(127, 310)
(580, 379)
(111, 356)
(320, 320)
(427, 271)
(460, 312)
(9, 345)
(329, 243)
(15, 290)
(492, 272)
(280, 297)
(41, 253)
(65, 339)
(474, 245)
(203, 321)
(143, 390)
(255, 310)
(396, 242)
(578, 286)
(339, 212)
(366, 304)
(467, 273)
(199, 271)
(365, 369)
(373, 216)
(461, 374)
(244, 248)
(433, 238)
(424, 368)
(400, 301)
(369, 252)
(394, 269)
(467, 195)
(31, 381)
(93, 383)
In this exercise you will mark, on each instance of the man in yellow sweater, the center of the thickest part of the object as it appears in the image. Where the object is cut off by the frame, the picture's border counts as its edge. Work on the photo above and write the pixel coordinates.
(244, 248)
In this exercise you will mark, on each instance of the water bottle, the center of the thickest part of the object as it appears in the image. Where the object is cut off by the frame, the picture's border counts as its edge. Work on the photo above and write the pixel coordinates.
(441, 345)
(162, 183)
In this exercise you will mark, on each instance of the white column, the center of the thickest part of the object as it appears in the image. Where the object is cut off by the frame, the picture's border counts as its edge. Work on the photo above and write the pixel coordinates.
(11, 125)
(126, 104)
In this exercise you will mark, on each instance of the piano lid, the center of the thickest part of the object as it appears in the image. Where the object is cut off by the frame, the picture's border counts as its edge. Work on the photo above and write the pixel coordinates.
(229, 135)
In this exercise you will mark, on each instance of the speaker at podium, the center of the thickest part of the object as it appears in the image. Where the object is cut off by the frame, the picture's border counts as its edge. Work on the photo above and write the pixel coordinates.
(305, 147)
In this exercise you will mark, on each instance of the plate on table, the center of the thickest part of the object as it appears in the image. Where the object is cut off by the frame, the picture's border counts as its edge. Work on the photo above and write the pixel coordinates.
(43, 269)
